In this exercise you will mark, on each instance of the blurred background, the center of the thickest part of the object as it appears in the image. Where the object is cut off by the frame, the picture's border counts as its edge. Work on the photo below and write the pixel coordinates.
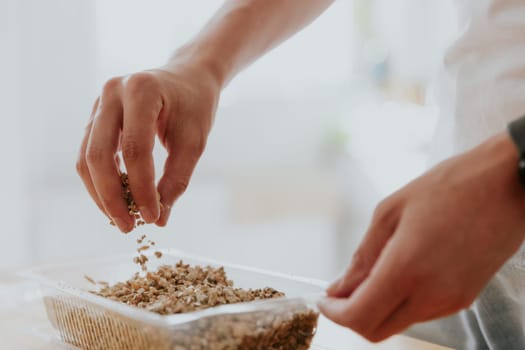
(305, 143)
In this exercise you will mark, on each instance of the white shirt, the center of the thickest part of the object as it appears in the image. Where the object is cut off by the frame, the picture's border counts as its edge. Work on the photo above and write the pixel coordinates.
(482, 83)
(481, 88)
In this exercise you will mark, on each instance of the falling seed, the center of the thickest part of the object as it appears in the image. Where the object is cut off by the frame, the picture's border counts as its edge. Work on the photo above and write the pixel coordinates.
(134, 212)
(144, 247)
(90, 280)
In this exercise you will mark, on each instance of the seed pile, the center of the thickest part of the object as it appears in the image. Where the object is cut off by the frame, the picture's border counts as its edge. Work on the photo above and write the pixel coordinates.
(178, 289)
(182, 288)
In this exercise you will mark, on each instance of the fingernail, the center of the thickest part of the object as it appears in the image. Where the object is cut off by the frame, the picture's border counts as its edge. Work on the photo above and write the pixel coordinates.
(324, 304)
(329, 305)
(165, 211)
(147, 215)
(123, 225)
(323, 301)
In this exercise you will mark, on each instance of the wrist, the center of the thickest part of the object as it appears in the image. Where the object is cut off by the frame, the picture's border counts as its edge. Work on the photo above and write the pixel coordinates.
(516, 132)
(503, 144)
(194, 58)
(501, 148)
(227, 43)
(502, 157)
(509, 151)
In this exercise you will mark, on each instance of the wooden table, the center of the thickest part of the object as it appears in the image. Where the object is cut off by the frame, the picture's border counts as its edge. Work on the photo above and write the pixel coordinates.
(24, 326)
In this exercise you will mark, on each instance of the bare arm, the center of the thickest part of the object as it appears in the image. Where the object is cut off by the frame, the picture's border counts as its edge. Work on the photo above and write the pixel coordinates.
(243, 30)
(177, 103)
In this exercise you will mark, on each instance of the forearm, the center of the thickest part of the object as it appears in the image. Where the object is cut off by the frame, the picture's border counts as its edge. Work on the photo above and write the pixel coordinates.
(243, 30)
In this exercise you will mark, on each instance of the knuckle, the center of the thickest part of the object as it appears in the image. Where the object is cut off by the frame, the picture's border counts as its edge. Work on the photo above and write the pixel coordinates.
(197, 147)
(111, 86)
(131, 150)
(179, 185)
(373, 337)
(81, 167)
(360, 261)
(381, 210)
(94, 155)
(385, 211)
(141, 82)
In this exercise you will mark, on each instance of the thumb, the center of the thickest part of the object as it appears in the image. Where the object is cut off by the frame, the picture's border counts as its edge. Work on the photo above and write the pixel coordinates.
(383, 225)
(178, 169)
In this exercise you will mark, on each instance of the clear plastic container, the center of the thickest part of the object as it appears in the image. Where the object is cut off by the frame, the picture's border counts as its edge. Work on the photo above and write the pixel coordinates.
(91, 322)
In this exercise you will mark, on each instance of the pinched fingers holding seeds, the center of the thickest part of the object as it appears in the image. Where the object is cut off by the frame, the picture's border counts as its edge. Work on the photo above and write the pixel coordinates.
(178, 106)
(143, 102)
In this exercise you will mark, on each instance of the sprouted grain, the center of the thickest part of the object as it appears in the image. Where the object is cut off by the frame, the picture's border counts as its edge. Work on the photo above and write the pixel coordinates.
(182, 288)
(90, 279)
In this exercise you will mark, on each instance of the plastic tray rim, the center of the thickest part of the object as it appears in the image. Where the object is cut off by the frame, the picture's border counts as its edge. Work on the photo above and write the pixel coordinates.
(152, 318)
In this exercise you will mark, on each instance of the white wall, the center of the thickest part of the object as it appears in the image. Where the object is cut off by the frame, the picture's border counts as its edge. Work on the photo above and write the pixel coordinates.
(12, 235)
(265, 187)
(48, 72)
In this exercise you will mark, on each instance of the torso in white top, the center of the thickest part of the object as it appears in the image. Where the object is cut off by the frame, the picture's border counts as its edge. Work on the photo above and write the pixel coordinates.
(482, 82)
(481, 88)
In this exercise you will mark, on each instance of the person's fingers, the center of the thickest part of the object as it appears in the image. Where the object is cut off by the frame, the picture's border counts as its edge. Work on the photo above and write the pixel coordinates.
(419, 308)
(381, 229)
(100, 154)
(400, 319)
(430, 298)
(383, 291)
(81, 165)
(404, 316)
(142, 105)
(178, 169)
